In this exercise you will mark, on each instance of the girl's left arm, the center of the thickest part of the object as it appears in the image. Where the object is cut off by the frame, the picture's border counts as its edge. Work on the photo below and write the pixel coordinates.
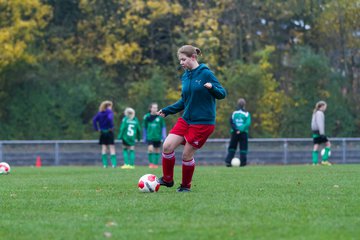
(216, 90)
(111, 118)
(122, 129)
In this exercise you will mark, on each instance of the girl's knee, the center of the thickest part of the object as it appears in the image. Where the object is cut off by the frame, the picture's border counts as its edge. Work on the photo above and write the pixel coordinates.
(167, 148)
(187, 156)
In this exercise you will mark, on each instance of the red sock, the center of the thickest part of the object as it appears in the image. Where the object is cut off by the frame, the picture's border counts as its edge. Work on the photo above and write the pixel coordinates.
(188, 168)
(168, 163)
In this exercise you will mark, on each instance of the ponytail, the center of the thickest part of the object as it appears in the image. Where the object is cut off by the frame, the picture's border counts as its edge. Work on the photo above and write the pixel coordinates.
(189, 51)
(318, 105)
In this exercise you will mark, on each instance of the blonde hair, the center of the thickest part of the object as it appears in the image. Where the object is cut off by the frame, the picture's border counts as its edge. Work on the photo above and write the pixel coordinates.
(129, 112)
(318, 105)
(104, 105)
(189, 50)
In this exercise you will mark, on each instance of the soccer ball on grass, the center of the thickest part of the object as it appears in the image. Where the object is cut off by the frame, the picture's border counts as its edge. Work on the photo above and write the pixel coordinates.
(235, 162)
(323, 152)
(4, 168)
(148, 183)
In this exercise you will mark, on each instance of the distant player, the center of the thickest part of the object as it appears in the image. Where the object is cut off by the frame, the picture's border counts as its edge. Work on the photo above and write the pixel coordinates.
(240, 122)
(103, 122)
(154, 131)
(129, 133)
(200, 89)
(319, 137)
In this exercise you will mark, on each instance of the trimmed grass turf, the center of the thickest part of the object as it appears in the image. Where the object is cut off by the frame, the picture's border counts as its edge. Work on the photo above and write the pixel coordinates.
(256, 202)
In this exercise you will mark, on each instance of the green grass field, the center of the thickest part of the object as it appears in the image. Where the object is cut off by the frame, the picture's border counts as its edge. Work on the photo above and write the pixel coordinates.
(256, 202)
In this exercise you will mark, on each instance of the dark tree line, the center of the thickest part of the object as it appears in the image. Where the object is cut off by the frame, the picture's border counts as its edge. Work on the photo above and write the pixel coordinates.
(60, 58)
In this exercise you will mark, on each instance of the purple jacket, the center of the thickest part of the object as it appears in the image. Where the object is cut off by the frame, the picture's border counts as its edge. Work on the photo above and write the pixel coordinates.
(104, 119)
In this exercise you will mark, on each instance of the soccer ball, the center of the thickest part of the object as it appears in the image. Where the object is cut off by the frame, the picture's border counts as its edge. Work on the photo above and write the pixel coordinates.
(323, 152)
(148, 183)
(235, 162)
(4, 168)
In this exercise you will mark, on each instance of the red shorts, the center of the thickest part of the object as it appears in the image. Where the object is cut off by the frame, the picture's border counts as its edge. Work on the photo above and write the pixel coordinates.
(196, 135)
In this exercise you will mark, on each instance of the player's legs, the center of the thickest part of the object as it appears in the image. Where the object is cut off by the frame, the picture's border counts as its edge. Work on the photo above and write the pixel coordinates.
(156, 156)
(131, 156)
(168, 156)
(104, 156)
(243, 145)
(125, 156)
(172, 141)
(195, 137)
(151, 154)
(231, 149)
(325, 157)
(112, 155)
(156, 153)
(188, 165)
(315, 154)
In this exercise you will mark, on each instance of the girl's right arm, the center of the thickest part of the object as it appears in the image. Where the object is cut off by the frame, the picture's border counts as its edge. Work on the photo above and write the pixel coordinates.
(232, 124)
(174, 108)
(122, 128)
(320, 120)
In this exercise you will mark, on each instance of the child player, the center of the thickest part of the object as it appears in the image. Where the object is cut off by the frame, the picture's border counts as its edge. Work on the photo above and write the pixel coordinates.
(103, 122)
(240, 121)
(319, 137)
(154, 131)
(200, 89)
(129, 133)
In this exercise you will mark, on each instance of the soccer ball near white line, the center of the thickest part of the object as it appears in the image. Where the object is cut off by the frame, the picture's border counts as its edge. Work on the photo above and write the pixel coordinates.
(148, 183)
(323, 152)
(4, 168)
(235, 162)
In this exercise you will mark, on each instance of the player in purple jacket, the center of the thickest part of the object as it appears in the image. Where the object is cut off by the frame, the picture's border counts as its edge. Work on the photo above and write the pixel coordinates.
(103, 122)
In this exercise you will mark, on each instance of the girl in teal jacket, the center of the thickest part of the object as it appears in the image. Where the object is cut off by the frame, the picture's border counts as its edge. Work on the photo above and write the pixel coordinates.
(200, 89)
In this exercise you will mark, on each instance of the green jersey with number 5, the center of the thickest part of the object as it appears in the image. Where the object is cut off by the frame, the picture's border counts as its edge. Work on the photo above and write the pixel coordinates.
(129, 130)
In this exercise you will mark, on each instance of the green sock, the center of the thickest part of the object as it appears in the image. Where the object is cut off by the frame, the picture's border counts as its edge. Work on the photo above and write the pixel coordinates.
(156, 158)
(315, 156)
(132, 157)
(104, 159)
(150, 157)
(126, 156)
(325, 157)
(113, 160)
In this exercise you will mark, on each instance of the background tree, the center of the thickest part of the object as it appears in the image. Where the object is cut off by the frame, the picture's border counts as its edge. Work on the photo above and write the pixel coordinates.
(282, 56)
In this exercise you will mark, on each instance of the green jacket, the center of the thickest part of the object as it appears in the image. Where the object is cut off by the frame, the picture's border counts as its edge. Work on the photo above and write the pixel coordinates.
(240, 121)
(129, 130)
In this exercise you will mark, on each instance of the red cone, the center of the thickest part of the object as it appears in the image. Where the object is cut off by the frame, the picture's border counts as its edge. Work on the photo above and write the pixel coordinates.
(38, 161)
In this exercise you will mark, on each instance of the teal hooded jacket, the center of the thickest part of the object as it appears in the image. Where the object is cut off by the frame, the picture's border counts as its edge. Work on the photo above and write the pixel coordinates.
(197, 101)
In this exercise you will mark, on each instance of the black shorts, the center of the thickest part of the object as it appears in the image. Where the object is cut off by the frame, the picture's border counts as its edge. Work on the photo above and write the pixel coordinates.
(320, 139)
(156, 144)
(125, 143)
(106, 138)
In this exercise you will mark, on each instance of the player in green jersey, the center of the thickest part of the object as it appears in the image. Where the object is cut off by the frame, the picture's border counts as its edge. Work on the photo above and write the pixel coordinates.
(129, 133)
(240, 121)
(154, 131)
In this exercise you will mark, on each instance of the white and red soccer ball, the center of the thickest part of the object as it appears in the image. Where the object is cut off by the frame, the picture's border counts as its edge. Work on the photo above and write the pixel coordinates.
(148, 183)
(4, 168)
